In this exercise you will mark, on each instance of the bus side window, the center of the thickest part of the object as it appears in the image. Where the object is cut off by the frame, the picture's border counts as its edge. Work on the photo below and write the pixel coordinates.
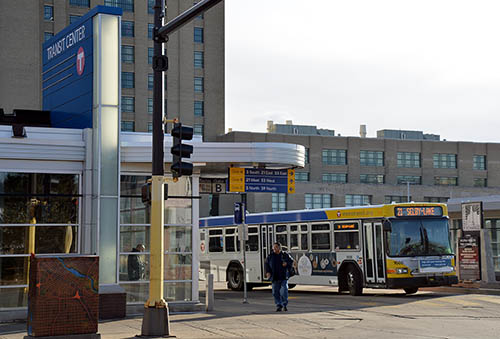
(282, 236)
(229, 240)
(347, 240)
(294, 237)
(320, 237)
(253, 239)
(216, 242)
(202, 235)
(304, 244)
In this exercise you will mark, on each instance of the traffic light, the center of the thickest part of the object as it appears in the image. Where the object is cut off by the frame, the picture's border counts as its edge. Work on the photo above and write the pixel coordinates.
(180, 150)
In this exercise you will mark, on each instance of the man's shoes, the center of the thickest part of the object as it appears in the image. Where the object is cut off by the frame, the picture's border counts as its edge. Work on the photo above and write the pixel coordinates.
(279, 309)
(285, 309)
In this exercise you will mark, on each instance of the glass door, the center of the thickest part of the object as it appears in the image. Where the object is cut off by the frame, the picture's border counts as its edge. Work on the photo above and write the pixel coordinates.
(374, 263)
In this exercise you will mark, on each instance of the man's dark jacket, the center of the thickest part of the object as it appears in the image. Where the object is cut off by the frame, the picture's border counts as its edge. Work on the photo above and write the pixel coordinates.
(274, 265)
(135, 266)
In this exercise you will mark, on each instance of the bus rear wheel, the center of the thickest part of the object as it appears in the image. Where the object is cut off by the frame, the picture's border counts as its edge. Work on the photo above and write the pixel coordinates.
(235, 278)
(411, 290)
(354, 283)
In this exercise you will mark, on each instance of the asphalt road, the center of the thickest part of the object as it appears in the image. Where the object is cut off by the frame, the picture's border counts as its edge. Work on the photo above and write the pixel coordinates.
(320, 312)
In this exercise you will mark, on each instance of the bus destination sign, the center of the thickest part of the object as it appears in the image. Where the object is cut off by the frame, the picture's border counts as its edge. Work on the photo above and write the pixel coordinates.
(434, 211)
(343, 227)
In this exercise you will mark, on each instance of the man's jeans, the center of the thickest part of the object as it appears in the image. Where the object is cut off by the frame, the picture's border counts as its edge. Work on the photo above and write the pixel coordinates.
(280, 292)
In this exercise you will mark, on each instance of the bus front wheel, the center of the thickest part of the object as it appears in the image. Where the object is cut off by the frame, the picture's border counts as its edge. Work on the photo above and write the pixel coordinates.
(235, 278)
(354, 281)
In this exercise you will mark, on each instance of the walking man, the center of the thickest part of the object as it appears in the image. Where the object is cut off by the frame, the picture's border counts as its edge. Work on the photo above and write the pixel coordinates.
(278, 265)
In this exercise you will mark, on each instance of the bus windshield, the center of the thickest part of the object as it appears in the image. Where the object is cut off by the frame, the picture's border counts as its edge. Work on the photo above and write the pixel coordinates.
(416, 237)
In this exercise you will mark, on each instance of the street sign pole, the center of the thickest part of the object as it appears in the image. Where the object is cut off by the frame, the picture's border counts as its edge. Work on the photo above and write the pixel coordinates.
(245, 236)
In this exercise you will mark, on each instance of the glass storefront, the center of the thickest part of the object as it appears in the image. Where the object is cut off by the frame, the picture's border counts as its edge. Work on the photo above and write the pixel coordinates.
(39, 213)
(135, 241)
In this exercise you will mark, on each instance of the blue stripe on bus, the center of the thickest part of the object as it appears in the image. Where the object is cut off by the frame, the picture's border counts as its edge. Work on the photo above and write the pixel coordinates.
(267, 218)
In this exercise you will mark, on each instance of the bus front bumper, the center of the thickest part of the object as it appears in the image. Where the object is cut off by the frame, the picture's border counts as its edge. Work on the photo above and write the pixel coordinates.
(426, 281)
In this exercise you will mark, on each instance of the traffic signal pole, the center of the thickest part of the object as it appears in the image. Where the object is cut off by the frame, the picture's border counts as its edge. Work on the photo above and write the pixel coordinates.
(156, 318)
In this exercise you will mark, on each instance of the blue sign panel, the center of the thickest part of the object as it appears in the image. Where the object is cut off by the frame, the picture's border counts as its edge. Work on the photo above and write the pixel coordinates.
(434, 263)
(264, 180)
(67, 74)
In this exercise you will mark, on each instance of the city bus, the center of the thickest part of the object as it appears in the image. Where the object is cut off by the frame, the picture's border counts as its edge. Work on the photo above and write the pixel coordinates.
(393, 246)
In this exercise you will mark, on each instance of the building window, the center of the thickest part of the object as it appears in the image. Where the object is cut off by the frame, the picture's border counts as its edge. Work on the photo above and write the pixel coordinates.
(479, 162)
(436, 199)
(198, 129)
(74, 18)
(48, 13)
(198, 60)
(128, 104)
(409, 159)
(412, 179)
(49, 204)
(198, 84)
(198, 34)
(480, 182)
(278, 202)
(150, 105)
(126, 5)
(150, 127)
(337, 178)
(371, 178)
(371, 158)
(389, 199)
(80, 3)
(198, 108)
(442, 160)
(307, 156)
(178, 235)
(128, 80)
(301, 176)
(151, 51)
(446, 181)
(128, 54)
(151, 4)
(127, 126)
(150, 31)
(127, 28)
(47, 36)
(313, 200)
(357, 199)
(150, 81)
(334, 156)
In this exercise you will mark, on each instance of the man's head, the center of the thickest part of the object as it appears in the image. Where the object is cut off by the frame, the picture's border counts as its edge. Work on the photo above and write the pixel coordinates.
(140, 247)
(277, 247)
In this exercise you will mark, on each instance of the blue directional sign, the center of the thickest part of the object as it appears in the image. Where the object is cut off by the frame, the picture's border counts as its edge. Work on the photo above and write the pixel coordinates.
(261, 180)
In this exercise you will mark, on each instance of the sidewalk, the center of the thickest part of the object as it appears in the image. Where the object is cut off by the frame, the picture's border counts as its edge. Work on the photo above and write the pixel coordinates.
(258, 318)
(468, 288)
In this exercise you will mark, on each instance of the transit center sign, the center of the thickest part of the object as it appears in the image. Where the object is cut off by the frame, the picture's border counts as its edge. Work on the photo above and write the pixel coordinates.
(70, 65)
(261, 180)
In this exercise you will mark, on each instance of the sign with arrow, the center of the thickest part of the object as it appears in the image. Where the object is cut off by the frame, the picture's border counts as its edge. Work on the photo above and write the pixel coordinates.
(261, 180)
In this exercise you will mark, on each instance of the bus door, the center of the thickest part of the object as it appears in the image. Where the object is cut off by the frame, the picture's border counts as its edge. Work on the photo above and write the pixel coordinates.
(267, 245)
(373, 256)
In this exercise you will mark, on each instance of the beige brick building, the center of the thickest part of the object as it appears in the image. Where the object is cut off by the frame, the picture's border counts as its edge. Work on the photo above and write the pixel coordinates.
(347, 171)
(194, 82)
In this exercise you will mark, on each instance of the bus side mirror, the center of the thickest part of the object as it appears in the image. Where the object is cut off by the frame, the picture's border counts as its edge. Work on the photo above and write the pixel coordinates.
(387, 226)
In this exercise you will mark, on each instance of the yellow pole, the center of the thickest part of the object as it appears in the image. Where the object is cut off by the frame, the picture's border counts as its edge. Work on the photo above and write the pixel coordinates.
(156, 247)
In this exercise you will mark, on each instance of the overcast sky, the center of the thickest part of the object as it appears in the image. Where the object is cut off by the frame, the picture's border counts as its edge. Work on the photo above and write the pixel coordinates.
(432, 66)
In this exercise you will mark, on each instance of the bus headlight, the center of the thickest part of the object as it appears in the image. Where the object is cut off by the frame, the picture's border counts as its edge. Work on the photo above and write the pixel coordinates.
(401, 270)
